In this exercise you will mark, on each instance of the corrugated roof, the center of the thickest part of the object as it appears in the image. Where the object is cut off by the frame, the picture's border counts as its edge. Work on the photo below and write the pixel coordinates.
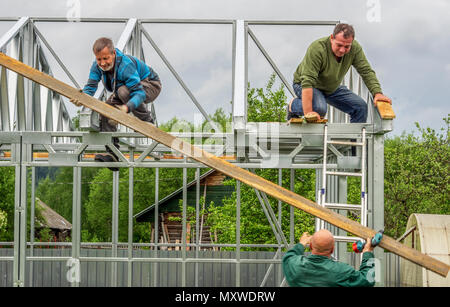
(52, 219)
(168, 197)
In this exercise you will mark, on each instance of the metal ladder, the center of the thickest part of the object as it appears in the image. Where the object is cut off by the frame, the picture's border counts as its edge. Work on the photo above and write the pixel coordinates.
(320, 224)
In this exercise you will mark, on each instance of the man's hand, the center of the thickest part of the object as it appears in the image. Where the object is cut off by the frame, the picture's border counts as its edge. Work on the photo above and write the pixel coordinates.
(381, 97)
(368, 247)
(122, 107)
(312, 116)
(305, 239)
(76, 101)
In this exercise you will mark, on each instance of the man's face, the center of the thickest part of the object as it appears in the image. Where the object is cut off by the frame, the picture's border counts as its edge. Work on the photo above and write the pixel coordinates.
(105, 59)
(340, 45)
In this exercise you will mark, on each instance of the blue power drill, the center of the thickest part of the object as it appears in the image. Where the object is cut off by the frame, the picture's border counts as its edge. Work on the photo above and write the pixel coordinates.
(359, 246)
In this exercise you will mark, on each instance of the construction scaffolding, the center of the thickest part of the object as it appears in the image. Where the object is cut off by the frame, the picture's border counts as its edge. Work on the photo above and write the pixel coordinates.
(36, 131)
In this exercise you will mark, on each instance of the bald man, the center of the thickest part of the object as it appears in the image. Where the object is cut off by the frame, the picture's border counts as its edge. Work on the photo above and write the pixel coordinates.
(319, 270)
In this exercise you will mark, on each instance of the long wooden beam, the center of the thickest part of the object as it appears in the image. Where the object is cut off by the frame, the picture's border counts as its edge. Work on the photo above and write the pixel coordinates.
(225, 167)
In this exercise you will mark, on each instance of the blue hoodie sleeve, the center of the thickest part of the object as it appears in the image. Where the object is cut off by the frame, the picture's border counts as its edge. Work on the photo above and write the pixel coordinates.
(133, 83)
(95, 75)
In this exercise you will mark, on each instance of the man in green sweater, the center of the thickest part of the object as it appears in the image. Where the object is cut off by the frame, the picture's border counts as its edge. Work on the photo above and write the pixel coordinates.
(318, 78)
(319, 270)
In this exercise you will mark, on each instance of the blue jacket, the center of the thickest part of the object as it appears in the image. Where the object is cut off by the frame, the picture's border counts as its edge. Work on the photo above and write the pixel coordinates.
(128, 71)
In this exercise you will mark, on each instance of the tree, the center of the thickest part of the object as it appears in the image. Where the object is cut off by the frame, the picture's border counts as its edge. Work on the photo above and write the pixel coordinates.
(57, 193)
(7, 184)
(268, 105)
(254, 224)
(3, 220)
(264, 105)
(98, 214)
(416, 176)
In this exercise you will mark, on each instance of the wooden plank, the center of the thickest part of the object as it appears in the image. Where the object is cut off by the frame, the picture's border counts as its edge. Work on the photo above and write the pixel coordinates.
(225, 167)
(312, 120)
(385, 110)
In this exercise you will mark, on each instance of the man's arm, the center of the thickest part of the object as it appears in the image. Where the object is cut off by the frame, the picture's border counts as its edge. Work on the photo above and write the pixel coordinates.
(293, 258)
(95, 76)
(361, 277)
(92, 84)
(369, 77)
(133, 83)
(311, 66)
(307, 96)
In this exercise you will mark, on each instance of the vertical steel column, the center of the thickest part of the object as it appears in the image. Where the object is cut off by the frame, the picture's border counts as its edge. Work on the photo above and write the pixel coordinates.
(279, 277)
(375, 193)
(115, 227)
(197, 222)
(130, 219)
(342, 198)
(240, 87)
(32, 216)
(76, 223)
(156, 226)
(238, 233)
(183, 239)
(322, 198)
(20, 215)
(28, 45)
(291, 208)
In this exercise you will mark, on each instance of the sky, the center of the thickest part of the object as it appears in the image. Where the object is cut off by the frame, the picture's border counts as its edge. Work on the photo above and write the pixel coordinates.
(406, 42)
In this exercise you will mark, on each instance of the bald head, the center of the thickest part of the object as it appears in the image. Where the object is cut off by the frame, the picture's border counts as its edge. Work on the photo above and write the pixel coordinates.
(322, 243)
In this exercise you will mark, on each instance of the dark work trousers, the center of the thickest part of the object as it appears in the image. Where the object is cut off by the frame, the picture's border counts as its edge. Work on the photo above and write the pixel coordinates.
(122, 96)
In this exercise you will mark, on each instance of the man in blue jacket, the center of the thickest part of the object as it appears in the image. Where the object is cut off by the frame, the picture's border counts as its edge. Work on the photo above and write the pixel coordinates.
(133, 84)
(319, 270)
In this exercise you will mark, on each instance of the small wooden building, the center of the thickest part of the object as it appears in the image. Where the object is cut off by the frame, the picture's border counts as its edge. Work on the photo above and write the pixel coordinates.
(170, 230)
(59, 227)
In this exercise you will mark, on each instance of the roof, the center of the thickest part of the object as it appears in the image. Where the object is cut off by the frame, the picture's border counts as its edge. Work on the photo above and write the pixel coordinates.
(166, 199)
(52, 219)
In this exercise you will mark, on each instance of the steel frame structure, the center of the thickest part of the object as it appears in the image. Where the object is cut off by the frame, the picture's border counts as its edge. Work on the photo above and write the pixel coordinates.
(35, 120)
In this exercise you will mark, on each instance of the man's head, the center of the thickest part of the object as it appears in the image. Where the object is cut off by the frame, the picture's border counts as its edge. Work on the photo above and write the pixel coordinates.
(342, 39)
(105, 54)
(322, 243)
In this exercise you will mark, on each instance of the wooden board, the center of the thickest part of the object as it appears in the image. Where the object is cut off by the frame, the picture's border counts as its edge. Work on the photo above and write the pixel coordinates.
(385, 110)
(301, 121)
(225, 167)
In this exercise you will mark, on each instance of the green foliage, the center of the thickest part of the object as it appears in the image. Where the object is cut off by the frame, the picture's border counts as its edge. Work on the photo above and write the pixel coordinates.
(254, 225)
(268, 105)
(99, 204)
(416, 176)
(57, 193)
(45, 235)
(7, 177)
(3, 220)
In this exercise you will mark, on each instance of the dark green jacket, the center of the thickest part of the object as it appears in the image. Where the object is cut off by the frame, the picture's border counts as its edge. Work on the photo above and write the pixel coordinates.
(320, 69)
(321, 271)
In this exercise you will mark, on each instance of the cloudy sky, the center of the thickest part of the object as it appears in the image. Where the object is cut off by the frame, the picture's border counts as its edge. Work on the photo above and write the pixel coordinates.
(406, 42)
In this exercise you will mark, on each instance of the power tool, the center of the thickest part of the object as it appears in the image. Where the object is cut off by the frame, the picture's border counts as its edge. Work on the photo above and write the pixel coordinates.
(359, 246)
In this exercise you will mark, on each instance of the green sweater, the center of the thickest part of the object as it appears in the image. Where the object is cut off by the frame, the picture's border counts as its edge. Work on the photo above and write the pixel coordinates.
(320, 69)
(321, 271)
